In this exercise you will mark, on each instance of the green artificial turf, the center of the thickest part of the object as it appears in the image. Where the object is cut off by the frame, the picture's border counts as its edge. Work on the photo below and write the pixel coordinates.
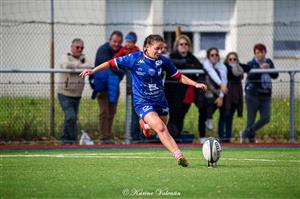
(149, 173)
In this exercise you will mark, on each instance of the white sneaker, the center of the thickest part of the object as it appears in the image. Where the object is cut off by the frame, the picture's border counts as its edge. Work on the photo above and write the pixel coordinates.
(202, 140)
(209, 124)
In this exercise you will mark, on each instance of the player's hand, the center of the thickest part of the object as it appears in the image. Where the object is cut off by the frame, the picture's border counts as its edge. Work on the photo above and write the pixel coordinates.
(219, 102)
(201, 86)
(86, 72)
(224, 88)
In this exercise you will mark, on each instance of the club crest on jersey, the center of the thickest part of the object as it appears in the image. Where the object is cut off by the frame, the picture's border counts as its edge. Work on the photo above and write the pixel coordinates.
(158, 63)
(151, 72)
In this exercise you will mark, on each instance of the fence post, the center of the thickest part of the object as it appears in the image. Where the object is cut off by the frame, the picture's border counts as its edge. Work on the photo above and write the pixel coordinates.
(52, 98)
(292, 107)
(128, 111)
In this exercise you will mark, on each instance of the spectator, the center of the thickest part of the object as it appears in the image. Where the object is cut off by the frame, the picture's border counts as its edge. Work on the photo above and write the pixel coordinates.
(130, 47)
(165, 51)
(149, 98)
(131, 39)
(258, 90)
(216, 80)
(180, 96)
(106, 86)
(233, 100)
(70, 89)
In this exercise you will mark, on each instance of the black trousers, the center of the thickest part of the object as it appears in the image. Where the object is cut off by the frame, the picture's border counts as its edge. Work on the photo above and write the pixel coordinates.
(177, 113)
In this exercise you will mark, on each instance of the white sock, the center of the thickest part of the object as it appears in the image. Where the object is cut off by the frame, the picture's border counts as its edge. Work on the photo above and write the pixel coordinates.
(146, 126)
(178, 154)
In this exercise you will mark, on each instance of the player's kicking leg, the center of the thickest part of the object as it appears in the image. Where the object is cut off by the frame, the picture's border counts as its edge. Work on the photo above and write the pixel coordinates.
(159, 126)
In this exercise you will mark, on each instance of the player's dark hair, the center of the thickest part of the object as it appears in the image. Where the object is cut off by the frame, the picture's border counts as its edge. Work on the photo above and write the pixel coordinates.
(116, 32)
(151, 38)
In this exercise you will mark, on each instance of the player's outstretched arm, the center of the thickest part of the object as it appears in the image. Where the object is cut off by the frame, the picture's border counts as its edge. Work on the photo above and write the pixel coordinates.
(101, 67)
(185, 80)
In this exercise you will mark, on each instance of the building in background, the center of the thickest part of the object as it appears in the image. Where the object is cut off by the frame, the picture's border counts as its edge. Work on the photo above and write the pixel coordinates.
(230, 25)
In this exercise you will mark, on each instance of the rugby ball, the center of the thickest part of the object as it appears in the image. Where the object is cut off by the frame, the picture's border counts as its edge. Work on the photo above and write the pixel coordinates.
(211, 150)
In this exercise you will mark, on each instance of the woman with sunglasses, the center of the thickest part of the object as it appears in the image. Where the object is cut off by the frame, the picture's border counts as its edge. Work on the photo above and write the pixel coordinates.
(216, 80)
(180, 96)
(149, 99)
(233, 100)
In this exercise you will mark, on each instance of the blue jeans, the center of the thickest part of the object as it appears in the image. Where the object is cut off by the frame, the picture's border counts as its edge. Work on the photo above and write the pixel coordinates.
(225, 121)
(70, 106)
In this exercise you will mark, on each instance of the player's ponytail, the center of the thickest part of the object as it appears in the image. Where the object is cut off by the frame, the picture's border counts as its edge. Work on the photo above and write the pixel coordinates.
(150, 39)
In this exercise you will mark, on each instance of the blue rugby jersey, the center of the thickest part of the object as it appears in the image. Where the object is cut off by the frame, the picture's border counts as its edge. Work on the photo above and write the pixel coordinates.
(147, 76)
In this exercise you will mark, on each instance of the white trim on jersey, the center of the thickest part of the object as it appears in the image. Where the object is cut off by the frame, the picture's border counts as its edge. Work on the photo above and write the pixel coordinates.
(116, 63)
(175, 74)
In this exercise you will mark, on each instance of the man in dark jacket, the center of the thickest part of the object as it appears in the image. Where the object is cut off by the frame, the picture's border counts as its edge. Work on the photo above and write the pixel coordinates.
(258, 93)
(106, 86)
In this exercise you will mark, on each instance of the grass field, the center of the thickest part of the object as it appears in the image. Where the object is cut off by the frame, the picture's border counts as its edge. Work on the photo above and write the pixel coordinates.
(150, 173)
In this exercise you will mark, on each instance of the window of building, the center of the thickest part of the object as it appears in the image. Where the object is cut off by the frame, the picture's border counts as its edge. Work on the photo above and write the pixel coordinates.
(286, 45)
(286, 28)
(201, 41)
(212, 39)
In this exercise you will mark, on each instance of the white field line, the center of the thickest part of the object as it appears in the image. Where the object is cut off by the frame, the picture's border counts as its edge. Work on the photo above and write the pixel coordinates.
(82, 156)
(259, 160)
(129, 156)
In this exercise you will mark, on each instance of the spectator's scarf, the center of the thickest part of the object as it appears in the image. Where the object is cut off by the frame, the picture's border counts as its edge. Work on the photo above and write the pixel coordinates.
(236, 69)
(266, 82)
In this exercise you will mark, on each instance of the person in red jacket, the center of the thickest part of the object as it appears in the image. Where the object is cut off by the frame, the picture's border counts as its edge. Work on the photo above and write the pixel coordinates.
(129, 47)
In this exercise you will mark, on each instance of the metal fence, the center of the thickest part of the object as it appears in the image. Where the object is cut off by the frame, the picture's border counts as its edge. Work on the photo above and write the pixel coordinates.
(26, 112)
(34, 34)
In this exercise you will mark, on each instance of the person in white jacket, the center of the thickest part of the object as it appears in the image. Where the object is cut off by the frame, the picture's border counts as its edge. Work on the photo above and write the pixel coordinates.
(217, 85)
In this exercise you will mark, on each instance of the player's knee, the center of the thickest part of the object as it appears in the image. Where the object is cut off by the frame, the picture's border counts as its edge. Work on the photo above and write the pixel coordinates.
(161, 128)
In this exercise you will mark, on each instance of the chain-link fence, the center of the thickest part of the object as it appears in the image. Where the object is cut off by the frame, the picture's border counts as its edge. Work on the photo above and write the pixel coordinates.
(26, 116)
(229, 25)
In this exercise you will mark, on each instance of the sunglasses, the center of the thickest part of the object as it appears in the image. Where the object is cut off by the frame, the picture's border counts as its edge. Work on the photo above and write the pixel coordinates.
(79, 47)
(214, 55)
(232, 59)
(183, 44)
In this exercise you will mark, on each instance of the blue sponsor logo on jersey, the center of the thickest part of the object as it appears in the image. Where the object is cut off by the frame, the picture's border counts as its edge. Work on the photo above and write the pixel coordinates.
(151, 72)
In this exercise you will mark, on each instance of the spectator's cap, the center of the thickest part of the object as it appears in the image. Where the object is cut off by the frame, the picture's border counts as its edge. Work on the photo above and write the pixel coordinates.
(131, 37)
